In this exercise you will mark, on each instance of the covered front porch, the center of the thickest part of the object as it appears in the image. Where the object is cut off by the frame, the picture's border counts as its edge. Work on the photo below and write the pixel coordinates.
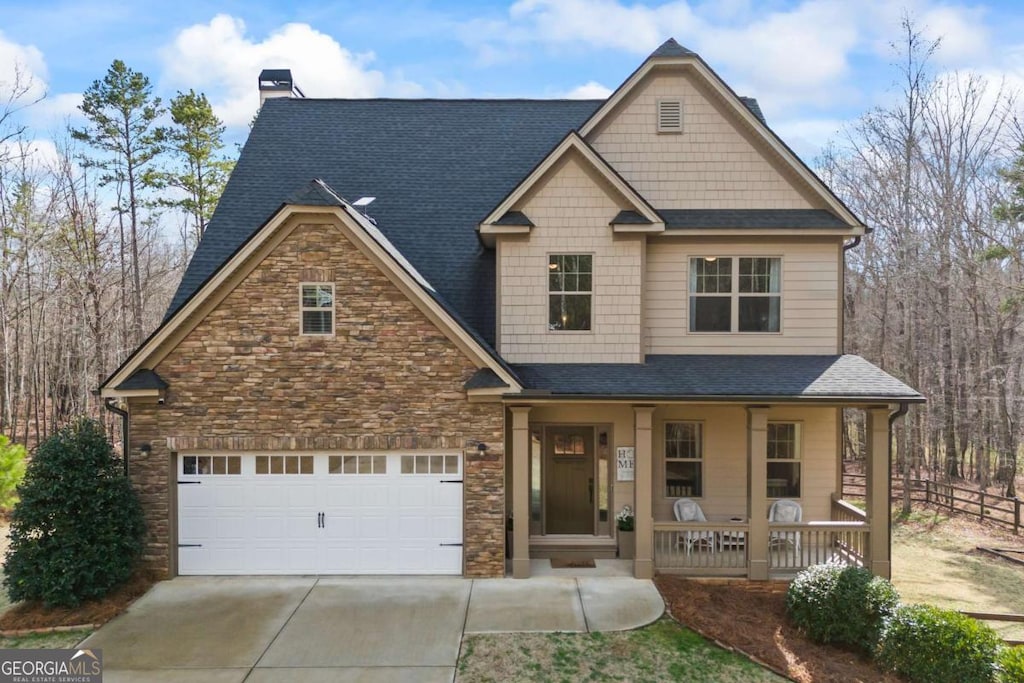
(576, 465)
(731, 465)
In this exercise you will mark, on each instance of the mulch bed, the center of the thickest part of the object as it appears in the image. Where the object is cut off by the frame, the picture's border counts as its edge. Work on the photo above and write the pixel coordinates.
(33, 615)
(751, 617)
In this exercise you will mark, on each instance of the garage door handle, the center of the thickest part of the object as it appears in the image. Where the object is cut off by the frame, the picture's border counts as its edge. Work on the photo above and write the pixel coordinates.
(190, 545)
(451, 481)
(189, 482)
(320, 520)
(451, 544)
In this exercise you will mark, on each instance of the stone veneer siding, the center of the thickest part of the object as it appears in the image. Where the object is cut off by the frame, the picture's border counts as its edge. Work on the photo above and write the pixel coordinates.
(245, 380)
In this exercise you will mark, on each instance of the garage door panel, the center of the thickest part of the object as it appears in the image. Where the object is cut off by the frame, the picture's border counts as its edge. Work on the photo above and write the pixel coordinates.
(376, 520)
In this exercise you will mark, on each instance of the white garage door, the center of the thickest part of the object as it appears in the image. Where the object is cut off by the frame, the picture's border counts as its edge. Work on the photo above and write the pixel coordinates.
(320, 514)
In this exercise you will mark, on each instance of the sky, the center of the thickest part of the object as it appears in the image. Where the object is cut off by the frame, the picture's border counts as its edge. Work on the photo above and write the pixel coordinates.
(813, 65)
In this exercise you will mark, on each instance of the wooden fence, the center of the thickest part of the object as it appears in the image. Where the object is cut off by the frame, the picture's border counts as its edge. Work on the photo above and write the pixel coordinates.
(988, 507)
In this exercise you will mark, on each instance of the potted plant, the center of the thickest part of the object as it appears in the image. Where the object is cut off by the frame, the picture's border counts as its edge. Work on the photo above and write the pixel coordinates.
(625, 527)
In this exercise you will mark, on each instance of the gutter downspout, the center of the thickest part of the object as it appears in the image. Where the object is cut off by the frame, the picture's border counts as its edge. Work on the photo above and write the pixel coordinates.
(893, 416)
(111, 405)
(853, 244)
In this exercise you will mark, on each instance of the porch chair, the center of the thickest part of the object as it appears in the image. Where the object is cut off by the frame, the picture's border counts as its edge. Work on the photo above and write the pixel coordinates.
(785, 511)
(688, 510)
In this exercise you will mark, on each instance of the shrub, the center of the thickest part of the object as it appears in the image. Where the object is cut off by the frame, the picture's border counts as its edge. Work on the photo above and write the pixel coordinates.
(78, 529)
(1011, 665)
(12, 471)
(833, 603)
(926, 643)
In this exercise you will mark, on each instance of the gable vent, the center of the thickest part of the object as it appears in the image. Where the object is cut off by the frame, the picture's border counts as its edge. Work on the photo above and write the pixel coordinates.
(670, 116)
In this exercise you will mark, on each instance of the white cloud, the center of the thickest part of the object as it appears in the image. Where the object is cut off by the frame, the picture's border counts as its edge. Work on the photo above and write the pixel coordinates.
(219, 58)
(963, 33)
(22, 67)
(39, 155)
(591, 90)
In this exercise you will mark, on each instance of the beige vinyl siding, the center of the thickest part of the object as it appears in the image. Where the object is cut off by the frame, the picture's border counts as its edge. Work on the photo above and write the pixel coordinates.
(570, 209)
(715, 163)
(810, 298)
(725, 458)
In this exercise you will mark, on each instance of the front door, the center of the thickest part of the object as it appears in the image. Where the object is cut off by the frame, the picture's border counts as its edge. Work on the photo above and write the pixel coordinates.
(569, 485)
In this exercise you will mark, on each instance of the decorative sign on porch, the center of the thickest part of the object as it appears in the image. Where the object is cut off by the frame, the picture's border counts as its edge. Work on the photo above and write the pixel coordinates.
(625, 462)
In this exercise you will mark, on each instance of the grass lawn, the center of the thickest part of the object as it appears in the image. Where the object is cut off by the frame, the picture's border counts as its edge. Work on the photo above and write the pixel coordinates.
(935, 560)
(663, 651)
(64, 639)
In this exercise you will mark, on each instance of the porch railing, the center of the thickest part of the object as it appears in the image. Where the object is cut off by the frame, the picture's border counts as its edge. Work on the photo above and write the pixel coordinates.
(792, 547)
(843, 511)
(721, 549)
(701, 548)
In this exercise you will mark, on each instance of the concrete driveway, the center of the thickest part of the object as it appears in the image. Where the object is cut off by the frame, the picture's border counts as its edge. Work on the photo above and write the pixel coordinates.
(262, 629)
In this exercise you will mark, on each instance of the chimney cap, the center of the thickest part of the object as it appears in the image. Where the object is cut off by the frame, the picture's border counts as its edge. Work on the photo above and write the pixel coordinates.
(276, 79)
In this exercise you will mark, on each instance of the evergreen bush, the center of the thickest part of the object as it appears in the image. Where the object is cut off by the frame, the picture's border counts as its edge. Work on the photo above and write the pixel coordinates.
(926, 644)
(833, 603)
(78, 530)
(1011, 665)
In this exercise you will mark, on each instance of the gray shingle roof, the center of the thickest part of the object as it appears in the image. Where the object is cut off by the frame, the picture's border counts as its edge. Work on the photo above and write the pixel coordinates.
(484, 378)
(712, 377)
(142, 379)
(670, 48)
(630, 218)
(435, 166)
(682, 219)
(514, 218)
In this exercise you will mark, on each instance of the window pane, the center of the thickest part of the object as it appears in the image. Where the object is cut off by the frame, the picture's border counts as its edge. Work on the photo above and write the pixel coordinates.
(234, 464)
(324, 296)
(569, 312)
(204, 465)
(710, 314)
(451, 464)
(683, 479)
(291, 464)
(306, 464)
(308, 296)
(262, 464)
(555, 280)
(407, 464)
(334, 464)
(782, 441)
(759, 275)
(349, 466)
(784, 480)
(584, 282)
(277, 464)
(437, 464)
(759, 314)
(189, 465)
(710, 277)
(365, 464)
(316, 322)
(220, 465)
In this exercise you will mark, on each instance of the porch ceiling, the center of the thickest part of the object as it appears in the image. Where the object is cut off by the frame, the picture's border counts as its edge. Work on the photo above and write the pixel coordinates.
(843, 378)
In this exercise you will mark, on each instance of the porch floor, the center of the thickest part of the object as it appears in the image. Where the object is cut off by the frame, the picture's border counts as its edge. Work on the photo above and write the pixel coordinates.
(542, 567)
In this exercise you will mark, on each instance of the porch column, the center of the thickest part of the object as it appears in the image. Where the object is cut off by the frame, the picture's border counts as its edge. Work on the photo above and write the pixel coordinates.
(877, 492)
(520, 492)
(757, 480)
(643, 563)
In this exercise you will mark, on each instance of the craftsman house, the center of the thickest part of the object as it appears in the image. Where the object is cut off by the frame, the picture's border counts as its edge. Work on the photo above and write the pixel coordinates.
(461, 336)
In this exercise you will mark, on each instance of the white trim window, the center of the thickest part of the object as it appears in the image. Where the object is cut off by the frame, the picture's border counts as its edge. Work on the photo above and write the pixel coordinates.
(735, 294)
(316, 305)
(570, 291)
(684, 460)
(784, 453)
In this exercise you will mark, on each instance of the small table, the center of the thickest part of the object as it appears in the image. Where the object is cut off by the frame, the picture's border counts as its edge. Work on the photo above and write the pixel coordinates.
(732, 540)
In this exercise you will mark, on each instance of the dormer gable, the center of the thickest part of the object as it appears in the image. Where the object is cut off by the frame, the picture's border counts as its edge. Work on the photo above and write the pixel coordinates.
(509, 217)
(685, 140)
